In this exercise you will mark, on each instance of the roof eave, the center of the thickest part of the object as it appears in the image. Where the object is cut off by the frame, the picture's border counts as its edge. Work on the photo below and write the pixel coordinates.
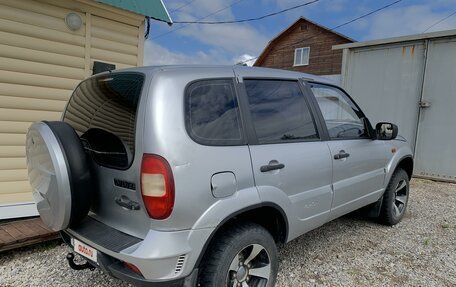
(408, 38)
(155, 9)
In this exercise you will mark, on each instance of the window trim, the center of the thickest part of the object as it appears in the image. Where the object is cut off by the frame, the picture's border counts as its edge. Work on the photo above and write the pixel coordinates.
(302, 63)
(252, 137)
(360, 113)
(214, 142)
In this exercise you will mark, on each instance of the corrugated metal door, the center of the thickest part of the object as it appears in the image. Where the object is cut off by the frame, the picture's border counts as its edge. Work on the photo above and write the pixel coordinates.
(386, 83)
(436, 142)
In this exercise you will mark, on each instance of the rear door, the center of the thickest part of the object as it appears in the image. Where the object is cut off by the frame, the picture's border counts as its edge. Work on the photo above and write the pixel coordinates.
(290, 162)
(358, 161)
(104, 111)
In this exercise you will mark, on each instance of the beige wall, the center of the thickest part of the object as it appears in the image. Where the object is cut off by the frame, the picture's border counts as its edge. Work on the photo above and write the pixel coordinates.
(41, 62)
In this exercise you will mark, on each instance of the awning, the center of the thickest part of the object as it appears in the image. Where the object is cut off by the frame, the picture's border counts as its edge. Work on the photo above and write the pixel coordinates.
(152, 8)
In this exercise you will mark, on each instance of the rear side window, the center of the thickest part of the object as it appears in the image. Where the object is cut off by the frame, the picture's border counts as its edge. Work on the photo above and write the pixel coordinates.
(212, 113)
(279, 111)
(102, 110)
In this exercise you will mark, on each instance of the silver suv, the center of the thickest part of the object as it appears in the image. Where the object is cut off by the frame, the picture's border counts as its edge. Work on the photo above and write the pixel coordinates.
(193, 175)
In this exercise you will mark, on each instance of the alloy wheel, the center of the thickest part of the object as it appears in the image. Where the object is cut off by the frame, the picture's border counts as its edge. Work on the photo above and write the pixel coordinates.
(400, 197)
(251, 267)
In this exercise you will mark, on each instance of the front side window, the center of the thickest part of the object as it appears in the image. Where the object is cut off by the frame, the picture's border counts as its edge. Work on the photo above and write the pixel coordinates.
(279, 111)
(301, 56)
(212, 113)
(343, 119)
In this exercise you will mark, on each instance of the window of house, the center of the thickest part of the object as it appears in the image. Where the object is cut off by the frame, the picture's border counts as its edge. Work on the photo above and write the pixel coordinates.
(212, 113)
(279, 111)
(301, 56)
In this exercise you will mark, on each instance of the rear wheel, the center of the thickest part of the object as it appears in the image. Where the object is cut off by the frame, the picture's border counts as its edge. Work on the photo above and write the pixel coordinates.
(395, 198)
(243, 255)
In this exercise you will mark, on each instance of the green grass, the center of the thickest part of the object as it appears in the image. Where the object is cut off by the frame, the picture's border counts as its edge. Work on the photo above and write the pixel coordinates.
(354, 272)
(48, 245)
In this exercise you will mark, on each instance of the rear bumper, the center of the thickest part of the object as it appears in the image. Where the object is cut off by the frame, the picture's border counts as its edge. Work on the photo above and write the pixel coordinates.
(163, 258)
(116, 268)
(119, 272)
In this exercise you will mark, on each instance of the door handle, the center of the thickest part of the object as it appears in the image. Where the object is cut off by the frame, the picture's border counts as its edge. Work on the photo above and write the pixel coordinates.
(125, 202)
(271, 166)
(342, 154)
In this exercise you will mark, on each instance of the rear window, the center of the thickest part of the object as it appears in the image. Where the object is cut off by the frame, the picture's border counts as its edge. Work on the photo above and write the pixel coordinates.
(212, 113)
(102, 110)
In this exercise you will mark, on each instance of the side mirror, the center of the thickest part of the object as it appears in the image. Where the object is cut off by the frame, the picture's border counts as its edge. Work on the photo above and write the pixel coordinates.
(386, 131)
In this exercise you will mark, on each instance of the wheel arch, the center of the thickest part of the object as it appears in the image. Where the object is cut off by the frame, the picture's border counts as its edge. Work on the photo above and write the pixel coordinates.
(267, 214)
(402, 159)
(406, 163)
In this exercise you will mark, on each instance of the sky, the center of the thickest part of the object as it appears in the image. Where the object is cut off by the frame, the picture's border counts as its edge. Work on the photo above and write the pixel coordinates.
(231, 43)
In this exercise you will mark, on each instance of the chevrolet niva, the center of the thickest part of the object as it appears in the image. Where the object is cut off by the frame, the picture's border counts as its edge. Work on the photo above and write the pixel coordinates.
(193, 175)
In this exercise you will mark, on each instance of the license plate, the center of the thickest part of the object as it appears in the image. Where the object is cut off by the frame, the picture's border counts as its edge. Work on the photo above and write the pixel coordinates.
(85, 250)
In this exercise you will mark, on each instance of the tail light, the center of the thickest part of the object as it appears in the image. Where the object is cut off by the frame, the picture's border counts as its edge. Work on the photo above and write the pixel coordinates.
(157, 186)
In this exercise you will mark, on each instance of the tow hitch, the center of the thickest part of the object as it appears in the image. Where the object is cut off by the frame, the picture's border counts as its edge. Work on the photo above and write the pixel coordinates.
(73, 265)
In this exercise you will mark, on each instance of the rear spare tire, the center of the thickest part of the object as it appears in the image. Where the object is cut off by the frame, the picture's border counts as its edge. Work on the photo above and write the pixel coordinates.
(58, 173)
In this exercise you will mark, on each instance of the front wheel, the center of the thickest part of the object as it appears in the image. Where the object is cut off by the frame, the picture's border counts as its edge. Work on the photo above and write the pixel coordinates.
(395, 198)
(243, 255)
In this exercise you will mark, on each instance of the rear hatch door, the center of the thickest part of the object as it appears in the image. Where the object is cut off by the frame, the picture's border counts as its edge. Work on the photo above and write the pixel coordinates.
(104, 112)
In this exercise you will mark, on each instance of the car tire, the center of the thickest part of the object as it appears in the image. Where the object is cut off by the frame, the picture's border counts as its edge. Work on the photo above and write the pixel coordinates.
(59, 174)
(395, 198)
(242, 253)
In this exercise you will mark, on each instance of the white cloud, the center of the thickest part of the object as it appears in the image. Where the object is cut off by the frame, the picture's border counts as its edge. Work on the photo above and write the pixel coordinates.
(155, 54)
(158, 55)
(234, 38)
(245, 58)
(203, 8)
(283, 4)
(333, 6)
(336, 6)
(232, 43)
(398, 20)
(407, 20)
(226, 42)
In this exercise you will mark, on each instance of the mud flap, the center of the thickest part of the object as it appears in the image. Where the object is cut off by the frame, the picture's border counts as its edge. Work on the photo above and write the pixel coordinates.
(375, 208)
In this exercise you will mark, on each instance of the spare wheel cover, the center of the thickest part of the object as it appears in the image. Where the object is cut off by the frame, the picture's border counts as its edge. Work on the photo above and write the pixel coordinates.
(52, 174)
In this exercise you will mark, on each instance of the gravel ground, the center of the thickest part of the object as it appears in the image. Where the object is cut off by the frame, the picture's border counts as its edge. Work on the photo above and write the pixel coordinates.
(350, 251)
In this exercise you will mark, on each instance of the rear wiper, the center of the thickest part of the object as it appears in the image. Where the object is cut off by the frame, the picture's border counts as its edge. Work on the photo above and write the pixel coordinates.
(87, 147)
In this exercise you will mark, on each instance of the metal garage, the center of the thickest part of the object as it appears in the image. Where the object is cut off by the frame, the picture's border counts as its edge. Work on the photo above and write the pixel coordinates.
(410, 81)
